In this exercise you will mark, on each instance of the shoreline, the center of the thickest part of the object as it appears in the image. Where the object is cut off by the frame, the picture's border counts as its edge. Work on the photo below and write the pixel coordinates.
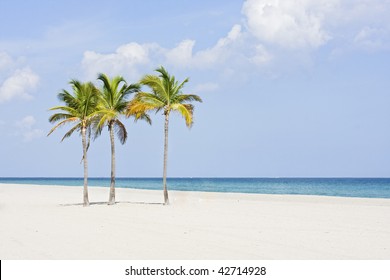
(46, 222)
(194, 191)
(207, 193)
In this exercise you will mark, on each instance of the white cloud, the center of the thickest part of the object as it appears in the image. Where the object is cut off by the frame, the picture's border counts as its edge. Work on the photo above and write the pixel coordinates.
(262, 56)
(290, 24)
(6, 61)
(129, 58)
(26, 122)
(19, 85)
(183, 56)
(221, 51)
(27, 129)
(274, 33)
(126, 59)
(232, 36)
(372, 38)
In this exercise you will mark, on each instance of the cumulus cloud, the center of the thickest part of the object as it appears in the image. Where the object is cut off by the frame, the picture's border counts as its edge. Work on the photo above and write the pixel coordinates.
(125, 59)
(221, 51)
(289, 24)
(274, 31)
(183, 55)
(19, 85)
(232, 36)
(131, 57)
(6, 61)
(262, 55)
(27, 130)
(26, 122)
(372, 39)
(310, 24)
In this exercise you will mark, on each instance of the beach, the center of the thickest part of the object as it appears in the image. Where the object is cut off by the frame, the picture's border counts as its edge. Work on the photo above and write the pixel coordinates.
(49, 222)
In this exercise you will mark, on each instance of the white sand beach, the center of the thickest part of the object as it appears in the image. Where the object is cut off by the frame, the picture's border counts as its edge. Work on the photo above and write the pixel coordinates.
(48, 222)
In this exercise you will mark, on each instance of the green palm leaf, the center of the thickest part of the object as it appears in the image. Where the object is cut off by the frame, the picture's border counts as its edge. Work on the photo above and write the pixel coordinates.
(120, 131)
(113, 101)
(79, 109)
(165, 95)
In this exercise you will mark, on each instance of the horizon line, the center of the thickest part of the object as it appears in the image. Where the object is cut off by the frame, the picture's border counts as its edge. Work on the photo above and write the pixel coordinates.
(198, 177)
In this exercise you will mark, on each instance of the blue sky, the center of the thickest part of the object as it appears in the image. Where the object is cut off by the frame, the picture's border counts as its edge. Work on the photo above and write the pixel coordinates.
(290, 88)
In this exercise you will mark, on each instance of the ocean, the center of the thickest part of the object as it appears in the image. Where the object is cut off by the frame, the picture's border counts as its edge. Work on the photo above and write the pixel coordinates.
(343, 187)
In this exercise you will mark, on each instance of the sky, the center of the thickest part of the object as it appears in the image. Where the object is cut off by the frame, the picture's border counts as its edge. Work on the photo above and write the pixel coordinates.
(293, 88)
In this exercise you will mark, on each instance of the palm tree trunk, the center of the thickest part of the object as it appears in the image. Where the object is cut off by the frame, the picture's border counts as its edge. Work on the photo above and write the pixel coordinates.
(111, 199)
(166, 199)
(85, 191)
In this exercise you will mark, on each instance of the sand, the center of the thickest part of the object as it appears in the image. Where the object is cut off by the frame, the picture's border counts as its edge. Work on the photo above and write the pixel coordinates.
(48, 222)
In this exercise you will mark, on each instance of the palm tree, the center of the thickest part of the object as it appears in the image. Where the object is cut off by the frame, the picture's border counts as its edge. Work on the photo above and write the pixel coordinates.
(79, 110)
(166, 95)
(113, 102)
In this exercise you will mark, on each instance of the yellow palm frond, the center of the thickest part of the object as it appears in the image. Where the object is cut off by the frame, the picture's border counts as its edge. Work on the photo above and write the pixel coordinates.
(186, 110)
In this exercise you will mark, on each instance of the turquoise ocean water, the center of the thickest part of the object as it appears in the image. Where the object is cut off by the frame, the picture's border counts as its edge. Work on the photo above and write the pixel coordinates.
(345, 187)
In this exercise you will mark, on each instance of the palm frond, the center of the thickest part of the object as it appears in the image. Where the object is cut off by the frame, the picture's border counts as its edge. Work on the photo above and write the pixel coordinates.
(142, 116)
(144, 102)
(105, 79)
(114, 97)
(79, 107)
(178, 87)
(61, 123)
(69, 110)
(166, 94)
(97, 130)
(155, 84)
(59, 117)
(103, 120)
(163, 73)
(70, 132)
(67, 98)
(151, 99)
(89, 132)
(136, 108)
(186, 110)
(132, 88)
(187, 98)
(120, 131)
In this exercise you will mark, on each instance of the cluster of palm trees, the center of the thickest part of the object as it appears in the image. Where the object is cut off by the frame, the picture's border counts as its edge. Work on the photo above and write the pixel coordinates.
(90, 108)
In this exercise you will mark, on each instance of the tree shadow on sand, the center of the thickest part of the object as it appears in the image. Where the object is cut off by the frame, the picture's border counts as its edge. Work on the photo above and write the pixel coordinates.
(118, 202)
